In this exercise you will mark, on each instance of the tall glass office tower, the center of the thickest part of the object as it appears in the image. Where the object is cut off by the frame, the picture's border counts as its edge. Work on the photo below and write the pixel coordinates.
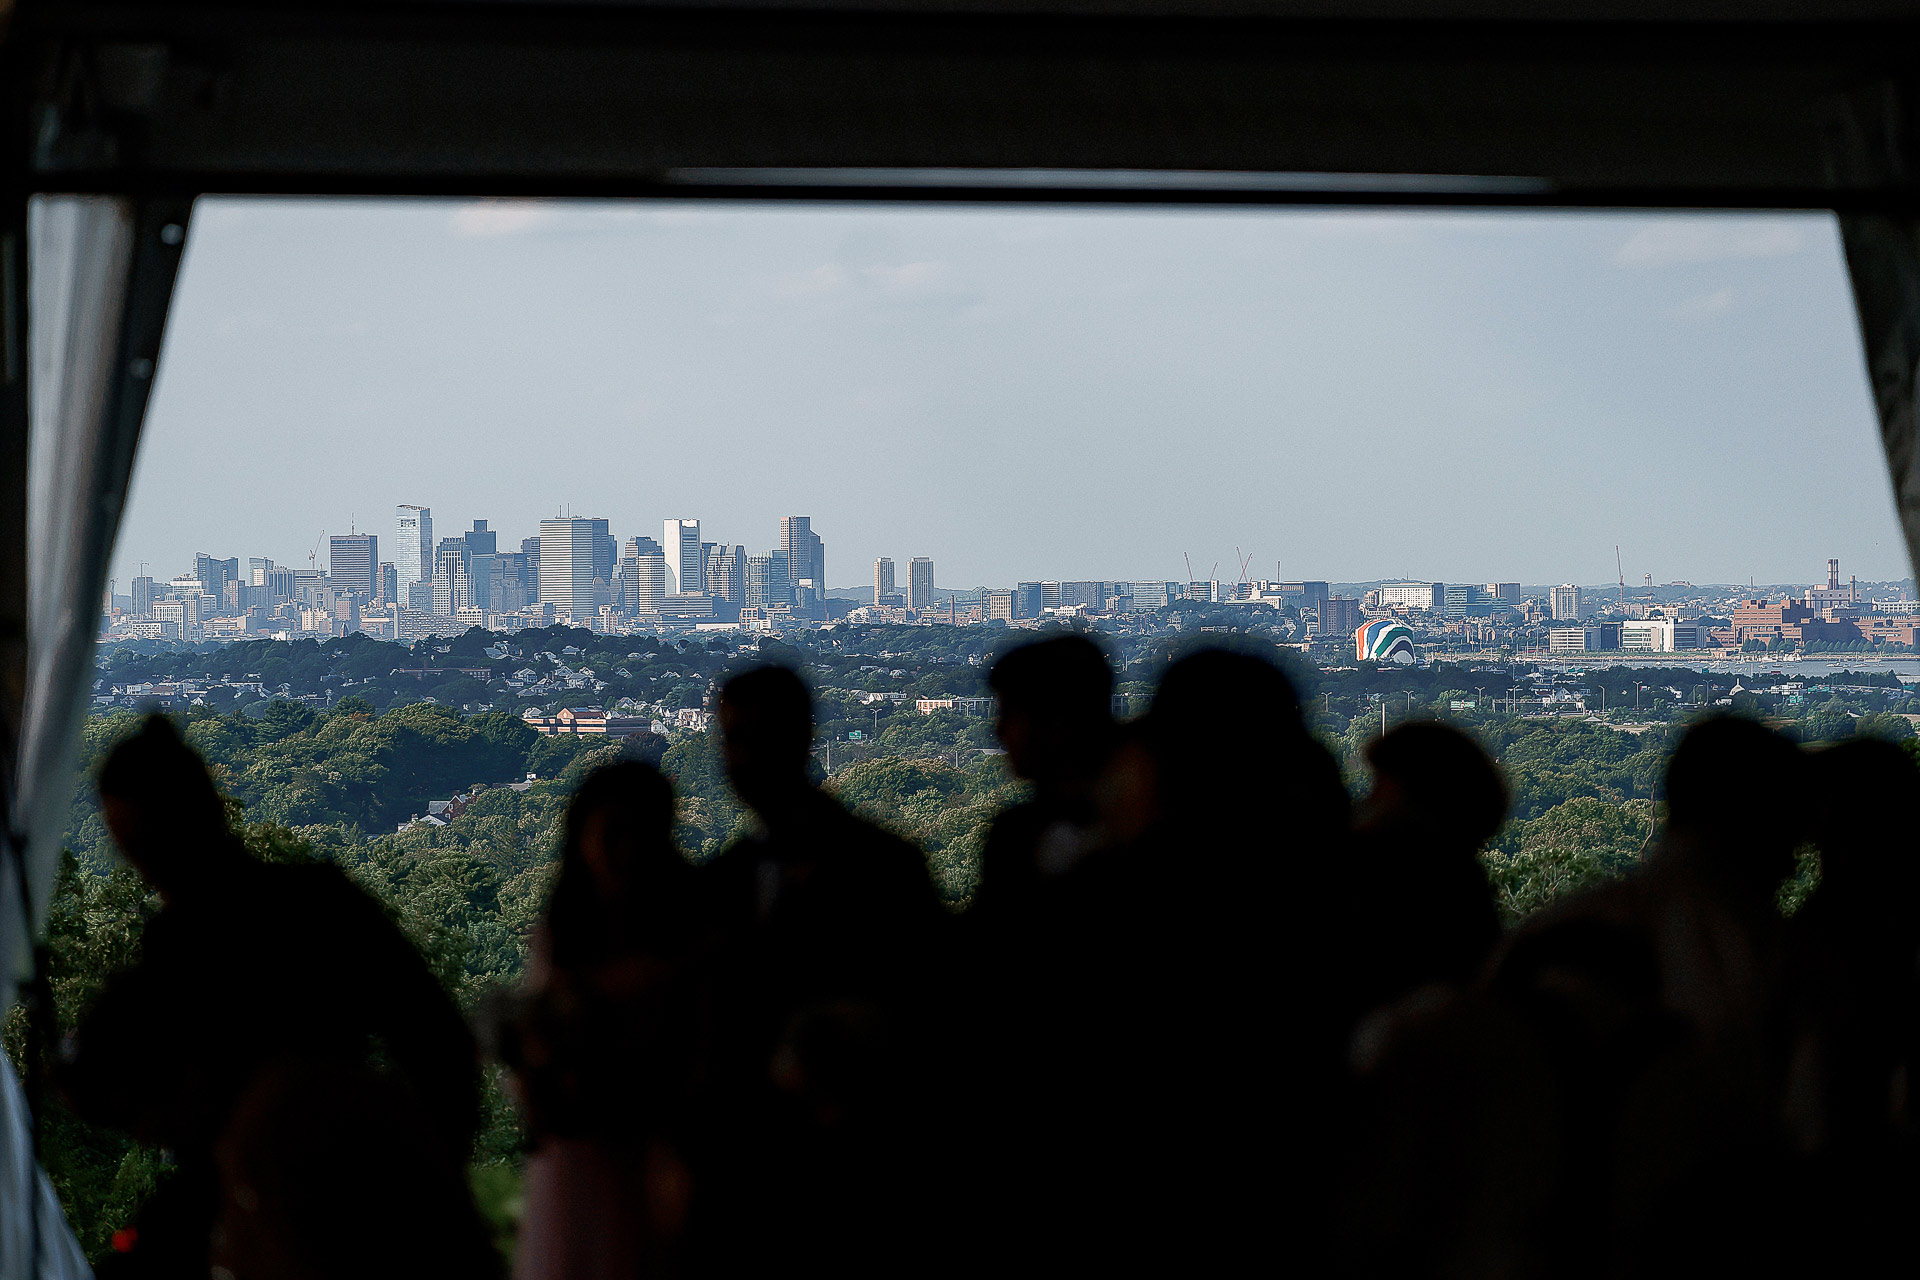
(920, 583)
(727, 572)
(806, 554)
(413, 546)
(680, 540)
(566, 566)
(452, 577)
(643, 577)
(352, 559)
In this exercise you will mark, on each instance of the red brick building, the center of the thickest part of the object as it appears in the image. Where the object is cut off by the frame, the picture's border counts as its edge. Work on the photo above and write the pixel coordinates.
(1791, 621)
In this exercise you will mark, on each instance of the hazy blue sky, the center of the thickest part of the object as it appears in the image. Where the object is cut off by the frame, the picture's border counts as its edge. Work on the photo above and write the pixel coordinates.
(1026, 393)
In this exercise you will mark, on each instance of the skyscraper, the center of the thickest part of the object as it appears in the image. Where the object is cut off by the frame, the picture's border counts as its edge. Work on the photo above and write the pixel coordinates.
(530, 566)
(680, 541)
(566, 566)
(511, 591)
(413, 545)
(484, 577)
(606, 557)
(143, 595)
(727, 572)
(882, 578)
(643, 577)
(1566, 601)
(766, 580)
(452, 580)
(215, 574)
(386, 589)
(920, 583)
(806, 554)
(351, 561)
(481, 540)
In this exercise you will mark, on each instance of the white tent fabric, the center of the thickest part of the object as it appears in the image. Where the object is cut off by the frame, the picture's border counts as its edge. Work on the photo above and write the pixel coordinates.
(80, 261)
(60, 1256)
(81, 251)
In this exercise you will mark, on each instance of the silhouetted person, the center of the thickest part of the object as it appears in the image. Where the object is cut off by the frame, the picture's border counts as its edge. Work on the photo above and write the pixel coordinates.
(1238, 875)
(1055, 720)
(245, 965)
(1164, 1020)
(827, 930)
(1700, 1119)
(1425, 909)
(1026, 933)
(602, 1040)
(1609, 1101)
(1860, 942)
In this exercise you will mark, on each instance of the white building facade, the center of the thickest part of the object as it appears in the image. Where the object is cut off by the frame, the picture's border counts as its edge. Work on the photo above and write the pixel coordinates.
(686, 559)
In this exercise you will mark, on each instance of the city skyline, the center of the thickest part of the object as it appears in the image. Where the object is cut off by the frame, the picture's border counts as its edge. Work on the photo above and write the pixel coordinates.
(365, 565)
(686, 533)
(1021, 391)
(575, 571)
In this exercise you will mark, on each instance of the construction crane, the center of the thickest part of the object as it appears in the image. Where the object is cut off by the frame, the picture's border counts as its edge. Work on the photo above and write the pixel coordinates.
(1623, 575)
(313, 556)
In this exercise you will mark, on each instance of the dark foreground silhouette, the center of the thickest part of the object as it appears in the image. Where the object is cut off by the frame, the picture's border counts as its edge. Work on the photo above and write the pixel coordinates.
(1202, 1012)
(263, 995)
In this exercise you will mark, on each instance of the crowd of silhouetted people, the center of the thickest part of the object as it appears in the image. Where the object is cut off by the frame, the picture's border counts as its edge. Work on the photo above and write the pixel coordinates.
(1202, 1012)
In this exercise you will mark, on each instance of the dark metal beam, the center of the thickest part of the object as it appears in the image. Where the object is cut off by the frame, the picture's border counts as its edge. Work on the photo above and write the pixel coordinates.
(464, 99)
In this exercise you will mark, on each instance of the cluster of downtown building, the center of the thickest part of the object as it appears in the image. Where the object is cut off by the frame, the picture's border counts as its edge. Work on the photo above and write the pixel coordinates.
(1833, 613)
(573, 572)
(1569, 619)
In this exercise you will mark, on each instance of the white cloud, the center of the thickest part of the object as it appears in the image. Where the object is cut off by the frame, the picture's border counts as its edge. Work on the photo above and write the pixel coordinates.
(502, 217)
(1673, 242)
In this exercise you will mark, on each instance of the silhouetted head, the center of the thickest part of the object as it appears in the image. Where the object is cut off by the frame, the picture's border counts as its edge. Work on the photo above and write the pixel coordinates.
(1861, 792)
(1226, 735)
(619, 870)
(1736, 793)
(1436, 780)
(162, 808)
(766, 727)
(1055, 708)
